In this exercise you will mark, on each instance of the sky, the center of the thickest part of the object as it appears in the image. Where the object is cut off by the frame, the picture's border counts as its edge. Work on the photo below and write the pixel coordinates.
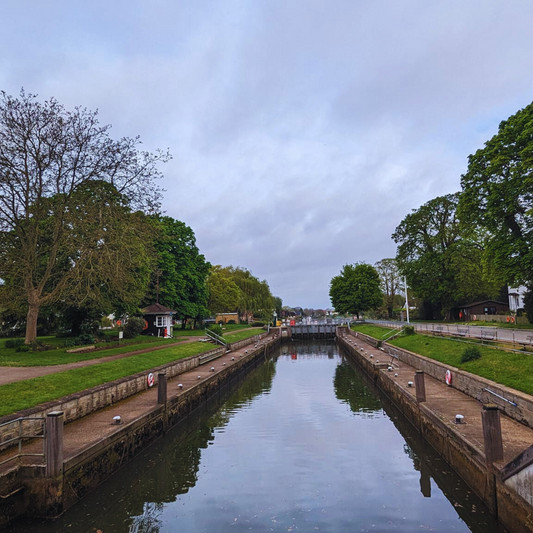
(302, 132)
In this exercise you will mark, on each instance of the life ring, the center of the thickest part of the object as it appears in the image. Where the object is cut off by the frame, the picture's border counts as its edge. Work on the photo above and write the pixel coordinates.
(474, 318)
(508, 319)
(448, 377)
(512, 320)
(150, 380)
(145, 325)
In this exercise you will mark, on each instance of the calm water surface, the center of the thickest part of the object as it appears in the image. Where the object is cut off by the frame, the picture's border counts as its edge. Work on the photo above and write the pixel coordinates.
(302, 445)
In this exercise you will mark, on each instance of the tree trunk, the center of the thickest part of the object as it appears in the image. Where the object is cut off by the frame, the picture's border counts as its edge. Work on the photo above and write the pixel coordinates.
(31, 321)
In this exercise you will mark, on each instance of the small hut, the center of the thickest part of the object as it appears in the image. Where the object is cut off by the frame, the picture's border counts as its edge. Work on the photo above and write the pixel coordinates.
(158, 320)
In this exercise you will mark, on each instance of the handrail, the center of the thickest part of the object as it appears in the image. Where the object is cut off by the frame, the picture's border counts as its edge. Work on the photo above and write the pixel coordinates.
(21, 436)
(214, 337)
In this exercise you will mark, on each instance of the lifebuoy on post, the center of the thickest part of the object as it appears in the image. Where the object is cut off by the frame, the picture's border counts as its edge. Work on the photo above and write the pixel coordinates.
(508, 319)
(448, 377)
(474, 318)
(145, 324)
(150, 380)
(512, 320)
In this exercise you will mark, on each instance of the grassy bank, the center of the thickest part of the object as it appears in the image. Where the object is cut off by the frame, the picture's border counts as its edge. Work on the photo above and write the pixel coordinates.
(240, 335)
(25, 394)
(10, 357)
(513, 370)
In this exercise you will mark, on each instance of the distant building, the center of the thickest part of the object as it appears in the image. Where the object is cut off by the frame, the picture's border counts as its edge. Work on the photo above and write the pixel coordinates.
(158, 319)
(227, 317)
(516, 297)
(485, 307)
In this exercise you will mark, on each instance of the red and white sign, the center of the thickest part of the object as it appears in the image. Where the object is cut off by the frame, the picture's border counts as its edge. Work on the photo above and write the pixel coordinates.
(150, 380)
(448, 377)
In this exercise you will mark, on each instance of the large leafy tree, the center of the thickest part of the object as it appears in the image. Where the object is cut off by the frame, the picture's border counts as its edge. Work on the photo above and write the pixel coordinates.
(389, 276)
(237, 289)
(498, 197)
(440, 257)
(104, 263)
(47, 156)
(180, 278)
(224, 294)
(356, 289)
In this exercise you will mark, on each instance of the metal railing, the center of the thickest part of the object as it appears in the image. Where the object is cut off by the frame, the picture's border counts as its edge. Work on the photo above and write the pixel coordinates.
(217, 339)
(23, 431)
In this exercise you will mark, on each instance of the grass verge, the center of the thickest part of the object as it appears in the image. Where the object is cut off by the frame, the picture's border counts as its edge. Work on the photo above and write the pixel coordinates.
(511, 369)
(240, 335)
(9, 357)
(31, 392)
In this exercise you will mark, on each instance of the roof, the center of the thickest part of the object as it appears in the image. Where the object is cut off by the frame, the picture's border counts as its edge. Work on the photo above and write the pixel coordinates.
(482, 302)
(157, 309)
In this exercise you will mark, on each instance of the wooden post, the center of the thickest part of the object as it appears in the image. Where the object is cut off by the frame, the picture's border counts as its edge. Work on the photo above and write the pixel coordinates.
(492, 433)
(162, 388)
(54, 443)
(420, 386)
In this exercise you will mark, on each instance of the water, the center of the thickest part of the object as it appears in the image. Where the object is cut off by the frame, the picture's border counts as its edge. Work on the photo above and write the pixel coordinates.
(303, 445)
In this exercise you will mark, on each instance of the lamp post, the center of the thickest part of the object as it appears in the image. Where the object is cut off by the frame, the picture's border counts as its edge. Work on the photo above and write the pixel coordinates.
(406, 298)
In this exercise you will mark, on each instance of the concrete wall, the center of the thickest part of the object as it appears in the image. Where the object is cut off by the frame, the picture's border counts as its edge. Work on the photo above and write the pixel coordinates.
(80, 404)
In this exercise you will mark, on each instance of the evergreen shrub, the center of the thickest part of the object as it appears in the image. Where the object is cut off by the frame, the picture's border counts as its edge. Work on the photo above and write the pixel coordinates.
(471, 353)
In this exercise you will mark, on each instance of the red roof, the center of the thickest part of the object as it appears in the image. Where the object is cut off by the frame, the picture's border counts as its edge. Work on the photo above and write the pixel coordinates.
(157, 309)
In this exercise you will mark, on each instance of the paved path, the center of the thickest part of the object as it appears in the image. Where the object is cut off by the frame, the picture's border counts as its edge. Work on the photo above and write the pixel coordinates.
(486, 332)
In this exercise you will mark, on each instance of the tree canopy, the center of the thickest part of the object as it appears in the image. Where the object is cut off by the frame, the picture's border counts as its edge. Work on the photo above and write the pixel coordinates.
(237, 289)
(498, 196)
(440, 257)
(51, 162)
(179, 280)
(356, 289)
(389, 276)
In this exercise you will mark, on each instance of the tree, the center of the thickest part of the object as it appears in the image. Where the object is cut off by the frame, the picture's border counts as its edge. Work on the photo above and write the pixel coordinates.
(440, 257)
(224, 294)
(356, 289)
(48, 157)
(498, 197)
(179, 280)
(236, 289)
(390, 281)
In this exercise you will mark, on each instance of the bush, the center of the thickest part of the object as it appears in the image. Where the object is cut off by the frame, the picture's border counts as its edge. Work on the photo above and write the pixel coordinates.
(471, 353)
(258, 324)
(40, 346)
(409, 330)
(216, 328)
(134, 326)
(23, 348)
(84, 339)
(69, 343)
(14, 343)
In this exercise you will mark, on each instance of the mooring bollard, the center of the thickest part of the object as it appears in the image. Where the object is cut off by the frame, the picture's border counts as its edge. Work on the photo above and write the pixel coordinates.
(492, 433)
(54, 443)
(420, 386)
(161, 388)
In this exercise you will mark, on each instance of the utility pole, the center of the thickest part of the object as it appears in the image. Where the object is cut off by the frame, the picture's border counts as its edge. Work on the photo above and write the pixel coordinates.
(406, 298)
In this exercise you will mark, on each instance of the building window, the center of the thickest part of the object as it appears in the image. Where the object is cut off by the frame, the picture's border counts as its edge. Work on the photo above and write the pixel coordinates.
(161, 321)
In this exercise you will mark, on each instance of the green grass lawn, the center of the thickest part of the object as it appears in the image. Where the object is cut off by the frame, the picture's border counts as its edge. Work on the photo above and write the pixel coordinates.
(10, 357)
(239, 336)
(511, 369)
(28, 393)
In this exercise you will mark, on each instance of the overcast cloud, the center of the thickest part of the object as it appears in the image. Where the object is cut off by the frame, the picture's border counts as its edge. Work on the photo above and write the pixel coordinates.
(302, 132)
